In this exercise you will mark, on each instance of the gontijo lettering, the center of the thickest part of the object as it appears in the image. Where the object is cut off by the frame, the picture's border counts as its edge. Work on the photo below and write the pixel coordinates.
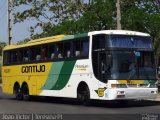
(33, 69)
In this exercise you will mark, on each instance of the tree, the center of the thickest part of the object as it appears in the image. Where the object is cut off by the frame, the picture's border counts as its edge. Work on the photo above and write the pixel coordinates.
(98, 15)
(48, 13)
(144, 16)
(77, 16)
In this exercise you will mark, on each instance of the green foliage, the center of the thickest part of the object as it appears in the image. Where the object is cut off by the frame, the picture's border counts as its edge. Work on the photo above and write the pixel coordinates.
(23, 41)
(2, 45)
(47, 13)
(78, 16)
(98, 15)
(144, 16)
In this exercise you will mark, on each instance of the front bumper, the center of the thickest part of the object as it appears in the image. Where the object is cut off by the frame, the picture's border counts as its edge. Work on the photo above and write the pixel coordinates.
(132, 93)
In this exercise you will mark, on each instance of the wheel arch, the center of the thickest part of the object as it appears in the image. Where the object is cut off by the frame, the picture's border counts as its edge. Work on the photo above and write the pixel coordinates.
(81, 85)
(16, 85)
(25, 84)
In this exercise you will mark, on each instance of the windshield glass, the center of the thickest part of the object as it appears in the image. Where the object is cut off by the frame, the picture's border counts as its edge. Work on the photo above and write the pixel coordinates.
(133, 65)
(127, 41)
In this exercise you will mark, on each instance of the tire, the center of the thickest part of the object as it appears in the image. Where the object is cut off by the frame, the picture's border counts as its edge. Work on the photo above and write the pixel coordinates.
(84, 96)
(18, 93)
(25, 92)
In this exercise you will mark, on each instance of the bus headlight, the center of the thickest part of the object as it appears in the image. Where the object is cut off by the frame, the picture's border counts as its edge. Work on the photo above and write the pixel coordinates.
(154, 92)
(120, 93)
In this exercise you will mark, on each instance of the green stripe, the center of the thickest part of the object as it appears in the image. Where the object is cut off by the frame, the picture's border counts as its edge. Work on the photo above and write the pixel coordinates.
(68, 37)
(53, 75)
(75, 36)
(59, 75)
(64, 76)
(150, 81)
(81, 35)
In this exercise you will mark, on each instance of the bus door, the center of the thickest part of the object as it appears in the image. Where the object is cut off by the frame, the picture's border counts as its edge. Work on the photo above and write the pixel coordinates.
(103, 73)
(102, 66)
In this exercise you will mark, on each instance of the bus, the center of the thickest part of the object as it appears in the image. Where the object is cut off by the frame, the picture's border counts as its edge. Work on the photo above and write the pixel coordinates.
(100, 65)
(0, 67)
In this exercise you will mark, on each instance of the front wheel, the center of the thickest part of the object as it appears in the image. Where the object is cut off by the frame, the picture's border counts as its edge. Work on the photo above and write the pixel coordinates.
(84, 96)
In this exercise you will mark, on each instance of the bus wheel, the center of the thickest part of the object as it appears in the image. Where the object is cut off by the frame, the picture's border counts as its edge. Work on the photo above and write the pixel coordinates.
(25, 91)
(17, 92)
(83, 95)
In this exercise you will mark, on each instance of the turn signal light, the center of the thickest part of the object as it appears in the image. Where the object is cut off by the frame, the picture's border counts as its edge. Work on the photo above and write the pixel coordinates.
(118, 85)
(114, 85)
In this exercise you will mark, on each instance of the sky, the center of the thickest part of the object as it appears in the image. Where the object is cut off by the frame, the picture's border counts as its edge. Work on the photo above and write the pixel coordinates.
(20, 31)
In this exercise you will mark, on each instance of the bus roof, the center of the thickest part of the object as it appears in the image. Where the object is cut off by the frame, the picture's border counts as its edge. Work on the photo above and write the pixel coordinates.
(119, 32)
(68, 37)
(46, 40)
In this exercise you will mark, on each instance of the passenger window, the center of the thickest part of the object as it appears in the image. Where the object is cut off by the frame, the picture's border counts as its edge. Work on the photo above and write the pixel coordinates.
(6, 59)
(38, 53)
(59, 50)
(32, 54)
(84, 48)
(14, 56)
(99, 42)
(52, 53)
(20, 55)
(76, 48)
(25, 55)
(44, 53)
(67, 50)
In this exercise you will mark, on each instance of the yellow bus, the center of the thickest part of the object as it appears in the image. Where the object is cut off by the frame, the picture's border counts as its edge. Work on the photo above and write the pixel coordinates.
(102, 65)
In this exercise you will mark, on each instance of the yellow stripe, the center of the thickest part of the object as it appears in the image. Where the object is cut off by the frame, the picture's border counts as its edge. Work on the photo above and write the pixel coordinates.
(131, 81)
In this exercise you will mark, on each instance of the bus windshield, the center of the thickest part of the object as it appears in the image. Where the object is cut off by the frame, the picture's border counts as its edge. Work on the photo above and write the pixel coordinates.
(123, 57)
(127, 41)
(133, 65)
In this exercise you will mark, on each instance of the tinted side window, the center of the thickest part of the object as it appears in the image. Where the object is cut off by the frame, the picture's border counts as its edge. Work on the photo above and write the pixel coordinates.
(60, 50)
(25, 55)
(14, 56)
(38, 54)
(84, 48)
(51, 52)
(44, 53)
(76, 48)
(67, 50)
(99, 42)
(6, 57)
(20, 55)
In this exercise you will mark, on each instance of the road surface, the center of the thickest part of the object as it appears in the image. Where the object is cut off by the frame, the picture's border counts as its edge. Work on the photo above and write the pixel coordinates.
(71, 109)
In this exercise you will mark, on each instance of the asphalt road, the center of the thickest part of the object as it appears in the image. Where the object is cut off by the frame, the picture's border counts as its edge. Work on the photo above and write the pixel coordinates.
(71, 109)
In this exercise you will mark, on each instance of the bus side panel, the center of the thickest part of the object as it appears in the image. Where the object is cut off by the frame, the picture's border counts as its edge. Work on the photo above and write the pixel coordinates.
(9, 79)
(71, 73)
(32, 74)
